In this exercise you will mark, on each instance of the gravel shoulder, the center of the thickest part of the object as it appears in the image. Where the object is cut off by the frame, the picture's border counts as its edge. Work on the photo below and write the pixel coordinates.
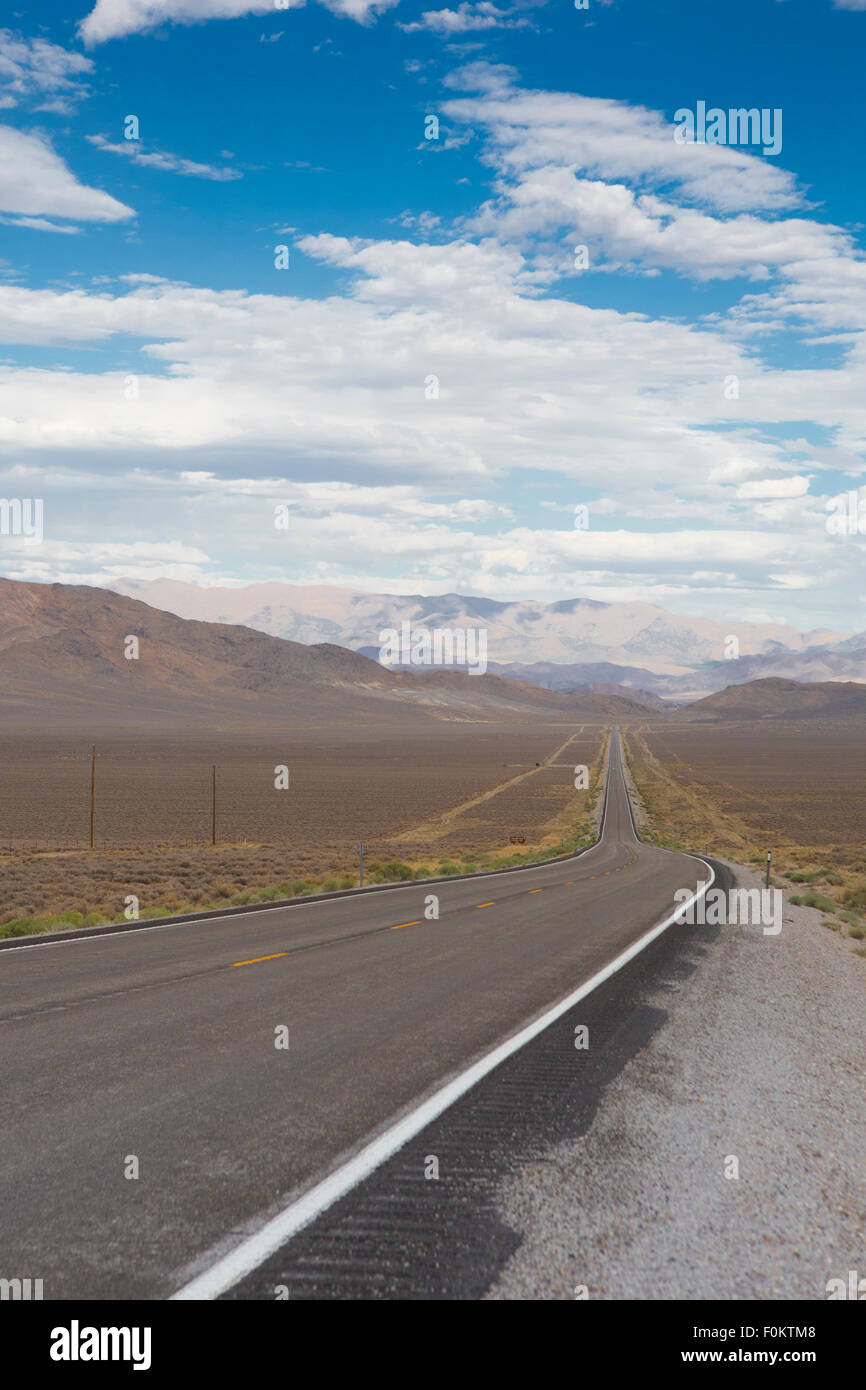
(760, 1059)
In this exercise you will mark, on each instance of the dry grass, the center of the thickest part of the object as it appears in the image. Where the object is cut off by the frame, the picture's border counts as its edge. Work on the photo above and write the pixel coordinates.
(739, 791)
(45, 890)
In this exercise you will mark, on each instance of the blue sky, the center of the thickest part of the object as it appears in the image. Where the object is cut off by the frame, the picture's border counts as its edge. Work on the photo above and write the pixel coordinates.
(698, 387)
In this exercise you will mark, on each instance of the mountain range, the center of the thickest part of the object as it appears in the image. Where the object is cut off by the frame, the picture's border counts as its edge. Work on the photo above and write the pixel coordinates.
(559, 646)
(72, 654)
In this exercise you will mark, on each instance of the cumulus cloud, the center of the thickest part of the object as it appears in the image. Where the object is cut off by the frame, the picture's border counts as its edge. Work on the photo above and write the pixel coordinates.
(385, 538)
(650, 233)
(436, 359)
(595, 137)
(467, 18)
(34, 71)
(573, 170)
(114, 19)
(796, 486)
(464, 368)
(99, 562)
(34, 181)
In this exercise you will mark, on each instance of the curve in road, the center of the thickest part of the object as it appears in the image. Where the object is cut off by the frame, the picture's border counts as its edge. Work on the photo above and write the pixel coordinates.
(161, 1046)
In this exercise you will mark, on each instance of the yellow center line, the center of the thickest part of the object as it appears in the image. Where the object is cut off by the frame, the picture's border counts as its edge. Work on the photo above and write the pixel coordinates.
(484, 904)
(256, 959)
(406, 924)
(535, 890)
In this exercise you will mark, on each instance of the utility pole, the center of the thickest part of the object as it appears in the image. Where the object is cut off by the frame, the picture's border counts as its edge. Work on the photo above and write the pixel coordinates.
(768, 869)
(92, 790)
(213, 806)
(361, 862)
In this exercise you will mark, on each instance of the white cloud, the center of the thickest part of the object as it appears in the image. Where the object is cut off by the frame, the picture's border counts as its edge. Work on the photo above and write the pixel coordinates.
(98, 562)
(243, 399)
(114, 19)
(573, 170)
(36, 70)
(157, 159)
(40, 224)
(34, 181)
(524, 383)
(623, 228)
(404, 270)
(467, 18)
(595, 137)
(797, 486)
(373, 538)
(398, 502)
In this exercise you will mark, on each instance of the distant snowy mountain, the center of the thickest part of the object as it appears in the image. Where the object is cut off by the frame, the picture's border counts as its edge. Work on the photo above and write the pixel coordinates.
(637, 635)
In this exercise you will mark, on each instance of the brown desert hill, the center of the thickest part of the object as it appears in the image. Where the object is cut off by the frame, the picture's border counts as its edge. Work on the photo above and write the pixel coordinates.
(646, 698)
(62, 649)
(447, 687)
(63, 661)
(776, 698)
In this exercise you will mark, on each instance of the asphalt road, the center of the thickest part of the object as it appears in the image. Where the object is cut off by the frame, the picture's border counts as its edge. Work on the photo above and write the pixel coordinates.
(159, 1044)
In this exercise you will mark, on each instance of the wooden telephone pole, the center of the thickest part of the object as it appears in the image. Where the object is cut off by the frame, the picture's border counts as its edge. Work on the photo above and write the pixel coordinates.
(92, 790)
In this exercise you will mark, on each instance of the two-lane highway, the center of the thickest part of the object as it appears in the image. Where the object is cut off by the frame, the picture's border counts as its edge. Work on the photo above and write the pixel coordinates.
(156, 1051)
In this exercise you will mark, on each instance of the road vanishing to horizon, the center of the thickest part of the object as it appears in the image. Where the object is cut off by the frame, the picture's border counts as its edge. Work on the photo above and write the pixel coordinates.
(164, 1043)
(432, 677)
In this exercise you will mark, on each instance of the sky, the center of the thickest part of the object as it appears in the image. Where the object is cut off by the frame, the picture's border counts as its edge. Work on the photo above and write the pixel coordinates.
(420, 300)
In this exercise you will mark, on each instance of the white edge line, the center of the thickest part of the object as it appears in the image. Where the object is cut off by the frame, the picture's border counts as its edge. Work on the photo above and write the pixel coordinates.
(253, 1251)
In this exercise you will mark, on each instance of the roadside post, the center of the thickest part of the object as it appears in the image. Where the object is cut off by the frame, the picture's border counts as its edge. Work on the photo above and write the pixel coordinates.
(768, 869)
(361, 865)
